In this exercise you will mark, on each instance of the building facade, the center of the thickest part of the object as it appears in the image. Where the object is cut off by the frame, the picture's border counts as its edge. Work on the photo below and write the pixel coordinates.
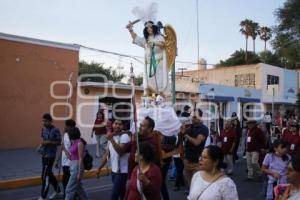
(274, 88)
(115, 99)
(36, 76)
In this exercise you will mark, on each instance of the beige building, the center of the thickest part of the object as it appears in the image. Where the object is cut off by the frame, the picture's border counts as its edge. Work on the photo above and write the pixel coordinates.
(114, 98)
(187, 91)
(248, 76)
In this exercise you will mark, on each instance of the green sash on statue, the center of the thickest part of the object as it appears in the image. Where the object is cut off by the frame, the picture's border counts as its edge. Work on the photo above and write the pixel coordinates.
(153, 64)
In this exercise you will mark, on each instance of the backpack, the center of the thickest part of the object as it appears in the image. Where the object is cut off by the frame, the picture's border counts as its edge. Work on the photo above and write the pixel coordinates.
(87, 161)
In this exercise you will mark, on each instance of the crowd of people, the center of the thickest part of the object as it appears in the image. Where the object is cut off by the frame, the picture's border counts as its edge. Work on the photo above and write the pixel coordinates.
(140, 162)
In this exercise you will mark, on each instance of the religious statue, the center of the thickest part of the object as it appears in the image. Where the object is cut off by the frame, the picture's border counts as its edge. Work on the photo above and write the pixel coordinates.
(160, 52)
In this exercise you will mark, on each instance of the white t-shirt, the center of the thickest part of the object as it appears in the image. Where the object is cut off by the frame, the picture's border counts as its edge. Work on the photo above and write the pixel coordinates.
(224, 188)
(294, 196)
(64, 159)
(118, 162)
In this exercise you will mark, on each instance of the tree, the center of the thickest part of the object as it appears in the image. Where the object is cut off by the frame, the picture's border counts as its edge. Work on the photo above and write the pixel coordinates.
(254, 33)
(238, 58)
(271, 58)
(287, 33)
(98, 69)
(139, 80)
(265, 34)
(246, 31)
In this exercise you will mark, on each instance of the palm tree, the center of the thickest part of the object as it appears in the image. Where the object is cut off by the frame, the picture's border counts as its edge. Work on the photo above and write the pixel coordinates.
(265, 34)
(254, 33)
(246, 30)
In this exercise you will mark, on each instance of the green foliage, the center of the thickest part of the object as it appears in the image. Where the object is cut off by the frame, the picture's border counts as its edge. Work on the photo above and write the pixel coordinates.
(265, 33)
(246, 27)
(98, 69)
(139, 80)
(271, 58)
(287, 33)
(238, 58)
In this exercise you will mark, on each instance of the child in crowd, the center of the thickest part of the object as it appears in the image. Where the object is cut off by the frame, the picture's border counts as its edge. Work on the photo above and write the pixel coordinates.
(275, 166)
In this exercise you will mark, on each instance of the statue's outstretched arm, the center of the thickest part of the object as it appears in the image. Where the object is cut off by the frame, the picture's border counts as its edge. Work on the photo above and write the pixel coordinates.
(130, 29)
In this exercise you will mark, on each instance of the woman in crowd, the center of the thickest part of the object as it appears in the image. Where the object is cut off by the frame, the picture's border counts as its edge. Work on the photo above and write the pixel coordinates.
(145, 181)
(275, 166)
(75, 154)
(210, 183)
(100, 133)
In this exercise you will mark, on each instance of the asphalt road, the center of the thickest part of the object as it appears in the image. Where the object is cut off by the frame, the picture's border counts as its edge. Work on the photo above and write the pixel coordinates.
(99, 189)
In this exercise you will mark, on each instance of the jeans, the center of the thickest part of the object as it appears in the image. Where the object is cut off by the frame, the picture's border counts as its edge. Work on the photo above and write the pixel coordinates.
(229, 161)
(164, 171)
(101, 144)
(75, 187)
(65, 177)
(48, 177)
(235, 150)
(119, 185)
(252, 164)
(179, 170)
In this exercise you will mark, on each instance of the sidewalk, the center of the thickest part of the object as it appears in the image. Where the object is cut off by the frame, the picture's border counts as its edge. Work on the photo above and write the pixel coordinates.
(22, 164)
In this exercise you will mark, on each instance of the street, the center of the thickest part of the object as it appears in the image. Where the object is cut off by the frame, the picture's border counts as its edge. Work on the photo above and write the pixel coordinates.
(100, 188)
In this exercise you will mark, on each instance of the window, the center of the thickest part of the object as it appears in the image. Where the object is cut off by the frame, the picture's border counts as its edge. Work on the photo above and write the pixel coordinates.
(272, 80)
(272, 85)
(245, 80)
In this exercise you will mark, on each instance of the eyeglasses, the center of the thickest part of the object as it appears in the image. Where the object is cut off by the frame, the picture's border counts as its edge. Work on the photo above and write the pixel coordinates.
(204, 158)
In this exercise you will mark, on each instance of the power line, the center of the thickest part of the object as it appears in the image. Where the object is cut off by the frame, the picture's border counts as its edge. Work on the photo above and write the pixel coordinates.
(111, 52)
(136, 58)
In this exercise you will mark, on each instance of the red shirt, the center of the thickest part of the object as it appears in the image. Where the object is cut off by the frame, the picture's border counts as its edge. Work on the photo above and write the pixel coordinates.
(293, 142)
(154, 141)
(227, 137)
(151, 191)
(99, 127)
(255, 140)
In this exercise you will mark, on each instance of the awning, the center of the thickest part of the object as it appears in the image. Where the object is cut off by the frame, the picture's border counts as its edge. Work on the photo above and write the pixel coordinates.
(248, 100)
(218, 98)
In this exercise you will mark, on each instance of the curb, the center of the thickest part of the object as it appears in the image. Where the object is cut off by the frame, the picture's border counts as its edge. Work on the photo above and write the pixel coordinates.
(36, 180)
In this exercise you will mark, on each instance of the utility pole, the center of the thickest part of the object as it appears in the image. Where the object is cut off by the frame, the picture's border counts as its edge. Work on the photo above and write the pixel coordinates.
(273, 94)
(182, 69)
(198, 56)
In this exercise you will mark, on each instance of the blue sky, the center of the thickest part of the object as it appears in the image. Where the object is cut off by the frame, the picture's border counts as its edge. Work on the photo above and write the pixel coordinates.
(101, 24)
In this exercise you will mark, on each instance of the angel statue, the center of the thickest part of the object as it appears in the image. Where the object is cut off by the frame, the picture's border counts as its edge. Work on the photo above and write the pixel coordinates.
(160, 51)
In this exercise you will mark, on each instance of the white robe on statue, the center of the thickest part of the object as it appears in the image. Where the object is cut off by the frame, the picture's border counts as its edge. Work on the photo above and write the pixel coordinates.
(159, 82)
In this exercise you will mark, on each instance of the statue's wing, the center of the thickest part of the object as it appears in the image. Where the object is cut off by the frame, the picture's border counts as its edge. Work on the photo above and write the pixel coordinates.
(170, 45)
